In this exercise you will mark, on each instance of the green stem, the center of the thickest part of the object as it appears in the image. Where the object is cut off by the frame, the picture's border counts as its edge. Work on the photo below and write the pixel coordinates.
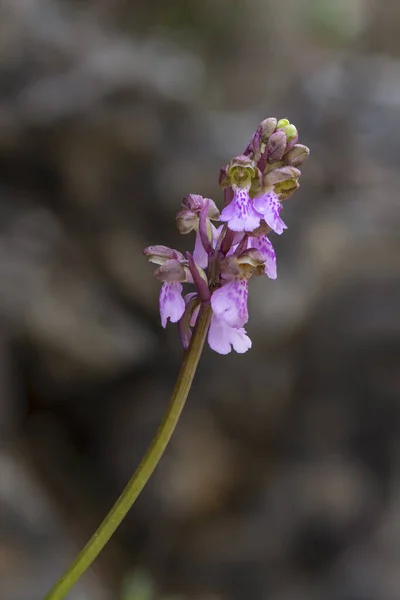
(142, 474)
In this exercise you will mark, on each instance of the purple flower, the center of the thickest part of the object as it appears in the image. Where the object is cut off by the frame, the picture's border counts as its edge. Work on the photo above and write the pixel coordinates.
(240, 214)
(269, 206)
(226, 257)
(263, 245)
(172, 305)
(196, 215)
(229, 305)
(222, 337)
(229, 302)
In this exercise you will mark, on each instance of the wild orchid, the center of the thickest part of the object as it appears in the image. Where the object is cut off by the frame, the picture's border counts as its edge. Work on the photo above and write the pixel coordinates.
(223, 261)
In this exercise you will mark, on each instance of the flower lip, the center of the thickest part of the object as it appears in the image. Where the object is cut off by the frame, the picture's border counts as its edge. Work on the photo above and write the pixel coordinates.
(241, 214)
(269, 206)
(229, 302)
(222, 338)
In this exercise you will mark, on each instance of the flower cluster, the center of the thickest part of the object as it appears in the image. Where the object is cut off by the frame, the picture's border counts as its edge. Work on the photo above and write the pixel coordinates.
(225, 258)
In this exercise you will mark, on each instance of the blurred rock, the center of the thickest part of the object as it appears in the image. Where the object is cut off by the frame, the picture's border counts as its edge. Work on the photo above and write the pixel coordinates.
(281, 481)
(34, 545)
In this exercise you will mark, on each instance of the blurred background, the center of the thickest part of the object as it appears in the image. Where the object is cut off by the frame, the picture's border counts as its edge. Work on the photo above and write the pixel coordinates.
(282, 481)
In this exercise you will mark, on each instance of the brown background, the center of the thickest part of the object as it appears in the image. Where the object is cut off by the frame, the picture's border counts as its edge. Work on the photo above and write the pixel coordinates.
(283, 479)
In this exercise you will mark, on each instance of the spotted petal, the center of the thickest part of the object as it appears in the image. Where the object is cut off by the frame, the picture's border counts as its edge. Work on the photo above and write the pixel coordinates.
(172, 305)
(263, 245)
(240, 214)
(222, 338)
(229, 303)
(270, 207)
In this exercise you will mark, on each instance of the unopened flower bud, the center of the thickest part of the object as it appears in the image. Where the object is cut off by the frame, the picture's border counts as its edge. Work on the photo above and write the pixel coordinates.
(289, 129)
(171, 271)
(276, 146)
(161, 254)
(297, 155)
(268, 127)
(186, 221)
(255, 145)
(282, 123)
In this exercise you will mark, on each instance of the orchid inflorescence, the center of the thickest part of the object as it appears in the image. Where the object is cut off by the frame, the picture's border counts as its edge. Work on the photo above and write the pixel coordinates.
(226, 257)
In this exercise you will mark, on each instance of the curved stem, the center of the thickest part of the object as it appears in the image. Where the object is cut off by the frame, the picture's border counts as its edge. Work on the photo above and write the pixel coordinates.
(146, 467)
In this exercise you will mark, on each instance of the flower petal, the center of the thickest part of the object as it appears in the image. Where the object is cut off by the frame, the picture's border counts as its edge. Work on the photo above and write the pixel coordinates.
(229, 302)
(199, 254)
(263, 245)
(172, 305)
(270, 207)
(240, 214)
(240, 340)
(221, 337)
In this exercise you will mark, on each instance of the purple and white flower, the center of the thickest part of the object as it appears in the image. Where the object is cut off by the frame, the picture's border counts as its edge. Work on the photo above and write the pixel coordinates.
(264, 246)
(269, 206)
(245, 213)
(226, 257)
(241, 214)
(229, 302)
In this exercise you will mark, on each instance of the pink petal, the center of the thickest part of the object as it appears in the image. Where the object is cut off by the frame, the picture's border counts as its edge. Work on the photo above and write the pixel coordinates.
(263, 245)
(240, 213)
(229, 302)
(270, 207)
(221, 337)
(172, 305)
(200, 255)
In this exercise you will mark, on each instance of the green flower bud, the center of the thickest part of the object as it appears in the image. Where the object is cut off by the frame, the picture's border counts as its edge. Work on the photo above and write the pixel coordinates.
(291, 132)
(289, 129)
(282, 123)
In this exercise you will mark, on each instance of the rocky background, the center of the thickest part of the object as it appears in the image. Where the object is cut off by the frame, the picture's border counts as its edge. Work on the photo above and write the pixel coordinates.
(282, 481)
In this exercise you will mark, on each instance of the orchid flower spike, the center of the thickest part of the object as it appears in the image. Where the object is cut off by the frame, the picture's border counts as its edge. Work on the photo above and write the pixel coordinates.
(225, 258)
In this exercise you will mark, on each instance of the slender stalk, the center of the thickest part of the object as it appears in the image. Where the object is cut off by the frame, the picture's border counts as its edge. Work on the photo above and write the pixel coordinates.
(142, 474)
